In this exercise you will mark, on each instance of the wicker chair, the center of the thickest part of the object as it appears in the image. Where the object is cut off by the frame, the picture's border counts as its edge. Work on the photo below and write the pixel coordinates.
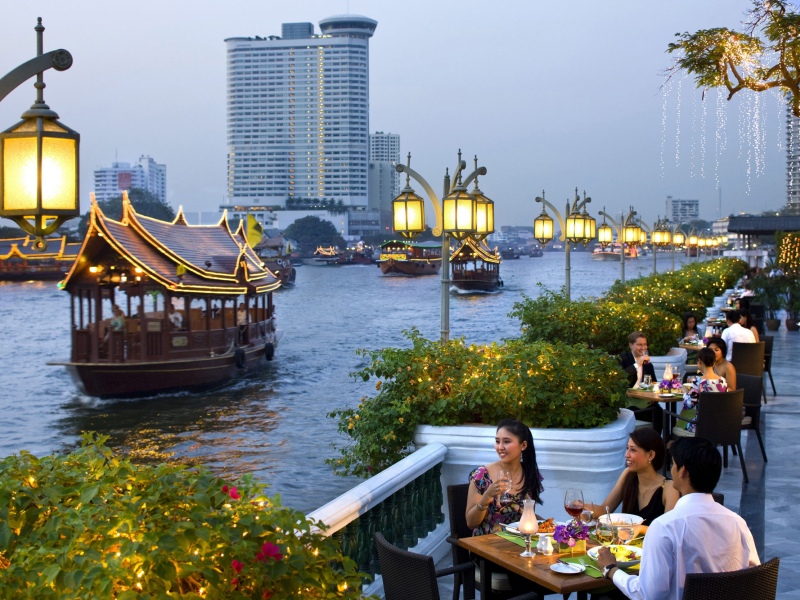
(748, 359)
(752, 406)
(718, 498)
(768, 340)
(407, 575)
(457, 509)
(755, 583)
(719, 420)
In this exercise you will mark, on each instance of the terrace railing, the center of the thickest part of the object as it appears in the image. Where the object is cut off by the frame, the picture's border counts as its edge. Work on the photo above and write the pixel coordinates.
(403, 503)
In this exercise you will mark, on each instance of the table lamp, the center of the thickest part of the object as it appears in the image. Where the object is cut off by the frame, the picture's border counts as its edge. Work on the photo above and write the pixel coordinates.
(528, 525)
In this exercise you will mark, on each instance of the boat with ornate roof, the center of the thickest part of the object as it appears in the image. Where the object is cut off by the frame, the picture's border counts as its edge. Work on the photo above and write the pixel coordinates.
(180, 285)
(20, 262)
(401, 257)
(276, 255)
(611, 252)
(475, 267)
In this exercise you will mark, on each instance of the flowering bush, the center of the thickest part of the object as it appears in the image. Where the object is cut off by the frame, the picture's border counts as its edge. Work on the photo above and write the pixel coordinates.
(570, 533)
(539, 383)
(91, 525)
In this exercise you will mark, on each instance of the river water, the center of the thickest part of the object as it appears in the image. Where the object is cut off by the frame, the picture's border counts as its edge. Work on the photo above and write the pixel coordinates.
(273, 425)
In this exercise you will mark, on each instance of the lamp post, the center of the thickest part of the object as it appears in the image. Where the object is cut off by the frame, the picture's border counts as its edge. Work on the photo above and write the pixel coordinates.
(660, 235)
(39, 155)
(692, 242)
(459, 215)
(605, 238)
(678, 239)
(579, 227)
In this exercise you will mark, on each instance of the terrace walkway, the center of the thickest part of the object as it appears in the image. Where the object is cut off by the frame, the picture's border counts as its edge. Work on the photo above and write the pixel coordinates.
(770, 503)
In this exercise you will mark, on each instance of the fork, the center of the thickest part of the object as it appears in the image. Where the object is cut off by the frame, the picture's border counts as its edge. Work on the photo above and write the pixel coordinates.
(583, 562)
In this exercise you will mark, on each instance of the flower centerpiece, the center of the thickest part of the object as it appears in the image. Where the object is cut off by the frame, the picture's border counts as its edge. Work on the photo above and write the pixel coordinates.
(571, 537)
(705, 341)
(669, 386)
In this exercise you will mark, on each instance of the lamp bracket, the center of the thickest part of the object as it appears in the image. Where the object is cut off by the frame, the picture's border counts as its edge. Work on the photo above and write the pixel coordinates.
(613, 222)
(38, 228)
(562, 237)
(60, 60)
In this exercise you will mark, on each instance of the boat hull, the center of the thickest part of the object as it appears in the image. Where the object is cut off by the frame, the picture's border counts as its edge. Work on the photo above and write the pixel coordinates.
(472, 285)
(409, 267)
(130, 380)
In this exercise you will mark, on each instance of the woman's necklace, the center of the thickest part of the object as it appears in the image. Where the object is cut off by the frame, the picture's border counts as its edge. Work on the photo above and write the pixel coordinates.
(643, 495)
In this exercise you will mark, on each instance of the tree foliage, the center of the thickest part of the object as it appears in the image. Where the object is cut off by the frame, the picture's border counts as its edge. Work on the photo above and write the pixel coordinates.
(143, 202)
(760, 57)
(90, 525)
(311, 232)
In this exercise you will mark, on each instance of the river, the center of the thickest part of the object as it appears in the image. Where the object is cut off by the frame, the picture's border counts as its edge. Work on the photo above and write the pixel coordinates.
(273, 425)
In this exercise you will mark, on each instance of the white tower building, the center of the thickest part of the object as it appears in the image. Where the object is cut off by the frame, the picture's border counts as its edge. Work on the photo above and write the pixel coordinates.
(385, 147)
(146, 174)
(298, 113)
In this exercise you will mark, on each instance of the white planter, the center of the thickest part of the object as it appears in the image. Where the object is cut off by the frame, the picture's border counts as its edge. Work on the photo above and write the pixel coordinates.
(588, 459)
(720, 301)
(675, 357)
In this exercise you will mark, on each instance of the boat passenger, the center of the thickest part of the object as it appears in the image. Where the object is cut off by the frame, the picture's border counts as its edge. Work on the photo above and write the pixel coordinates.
(708, 381)
(175, 318)
(117, 323)
(241, 321)
(746, 321)
(722, 367)
(641, 489)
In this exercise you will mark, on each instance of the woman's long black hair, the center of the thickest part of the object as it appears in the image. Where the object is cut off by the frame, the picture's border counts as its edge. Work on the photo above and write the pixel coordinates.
(647, 440)
(531, 484)
(685, 318)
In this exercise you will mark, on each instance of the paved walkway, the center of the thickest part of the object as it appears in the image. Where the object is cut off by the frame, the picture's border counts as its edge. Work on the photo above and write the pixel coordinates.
(770, 503)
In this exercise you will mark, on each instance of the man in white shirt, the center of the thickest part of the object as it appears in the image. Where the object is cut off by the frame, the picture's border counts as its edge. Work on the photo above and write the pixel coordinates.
(697, 536)
(175, 318)
(735, 332)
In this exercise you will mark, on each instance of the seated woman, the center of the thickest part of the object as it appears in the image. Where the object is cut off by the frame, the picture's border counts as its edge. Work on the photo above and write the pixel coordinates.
(517, 456)
(117, 323)
(746, 321)
(722, 366)
(708, 381)
(689, 328)
(641, 489)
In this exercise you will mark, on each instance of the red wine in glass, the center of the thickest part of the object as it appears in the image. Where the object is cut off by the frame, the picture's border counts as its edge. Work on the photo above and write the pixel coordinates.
(573, 503)
(574, 510)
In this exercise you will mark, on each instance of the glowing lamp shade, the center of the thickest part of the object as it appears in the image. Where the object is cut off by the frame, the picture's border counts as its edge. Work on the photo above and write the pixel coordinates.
(605, 235)
(543, 228)
(724, 239)
(701, 242)
(589, 228)
(678, 239)
(693, 241)
(630, 233)
(661, 237)
(409, 214)
(460, 213)
(39, 166)
(484, 214)
(642, 236)
(528, 525)
(575, 227)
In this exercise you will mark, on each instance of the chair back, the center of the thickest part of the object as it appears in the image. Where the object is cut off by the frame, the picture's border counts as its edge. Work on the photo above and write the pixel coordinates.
(718, 498)
(768, 340)
(757, 310)
(406, 574)
(719, 417)
(752, 398)
(457, 508)
(755, 583)
(748, 359)
(759, 325)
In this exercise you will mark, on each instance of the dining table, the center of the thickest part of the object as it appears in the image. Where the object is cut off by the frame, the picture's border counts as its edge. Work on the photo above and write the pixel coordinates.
(691, 346)
(495, 550)
(667, 419)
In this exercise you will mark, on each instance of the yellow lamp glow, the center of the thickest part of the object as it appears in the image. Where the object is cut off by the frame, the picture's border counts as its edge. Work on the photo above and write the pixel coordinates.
(409, 213)
(460, 213)
(589, 227)
(724, 239)
(605, 235)
(575, 226)
(701, 242)
(543, 228)
(528, 525)
(484, 214)
(678, 239)
(693, 240)
(642, 236)
(630, 233)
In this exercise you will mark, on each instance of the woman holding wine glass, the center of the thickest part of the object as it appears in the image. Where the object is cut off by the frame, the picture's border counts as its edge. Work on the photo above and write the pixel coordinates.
(640, 489)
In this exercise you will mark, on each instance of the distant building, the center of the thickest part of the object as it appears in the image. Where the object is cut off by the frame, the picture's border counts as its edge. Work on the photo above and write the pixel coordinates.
(720, 228)
(146, 174)
(298, 113)
(682, 211)
(265, 215)
(385, 147)
(382, 191)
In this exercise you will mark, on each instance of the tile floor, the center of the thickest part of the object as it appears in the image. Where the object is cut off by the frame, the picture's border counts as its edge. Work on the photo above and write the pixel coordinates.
(770, 503)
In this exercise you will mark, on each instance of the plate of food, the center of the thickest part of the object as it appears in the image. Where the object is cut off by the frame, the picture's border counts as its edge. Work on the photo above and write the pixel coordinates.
(621, 553)
(546, 526)
(622, 519)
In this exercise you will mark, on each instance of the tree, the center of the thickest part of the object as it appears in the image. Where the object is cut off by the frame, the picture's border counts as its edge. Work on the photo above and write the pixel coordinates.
(144, 203)
(311, 232)
(11, 232)
(698, 224)
(738, 60)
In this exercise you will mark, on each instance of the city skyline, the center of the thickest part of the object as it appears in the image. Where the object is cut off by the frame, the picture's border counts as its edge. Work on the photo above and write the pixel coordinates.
(512, 96)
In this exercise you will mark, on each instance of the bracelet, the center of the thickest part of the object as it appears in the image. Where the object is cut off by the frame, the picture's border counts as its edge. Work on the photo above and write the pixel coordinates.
(480, 507)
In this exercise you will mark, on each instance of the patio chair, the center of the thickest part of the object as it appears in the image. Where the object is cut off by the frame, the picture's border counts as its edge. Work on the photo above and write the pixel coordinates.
(748, 359)
(768, 340)
(718, 498)
(408, 575)
(719, 420)
(755, 583)
(457, 509)
(752, 406)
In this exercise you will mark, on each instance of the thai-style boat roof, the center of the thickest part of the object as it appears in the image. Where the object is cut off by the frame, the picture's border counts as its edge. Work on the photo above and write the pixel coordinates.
(216, 260)
(472, 250)
(329, 251)
(412, 244)
(57, 249)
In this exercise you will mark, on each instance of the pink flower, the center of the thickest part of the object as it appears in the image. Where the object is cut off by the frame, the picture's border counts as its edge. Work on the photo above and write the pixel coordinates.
(571, 542)
(224, 488)
(234, 494)
(237, 566)
(261, 557)
(235, 581)
(266, 595)
(270, 549)
(369, 468)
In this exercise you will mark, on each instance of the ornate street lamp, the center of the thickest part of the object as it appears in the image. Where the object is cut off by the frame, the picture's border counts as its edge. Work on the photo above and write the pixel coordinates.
(604, 236)
(484, 212)
(460, 212)
(409, 211)
(543, 226)
(631, 232)
(678, 238)
(39, 176)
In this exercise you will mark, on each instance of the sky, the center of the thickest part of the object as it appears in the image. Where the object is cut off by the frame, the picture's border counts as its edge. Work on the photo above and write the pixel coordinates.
(550, 96)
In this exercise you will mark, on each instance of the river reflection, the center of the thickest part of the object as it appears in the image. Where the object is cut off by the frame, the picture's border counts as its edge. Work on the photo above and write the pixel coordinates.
(273, 425)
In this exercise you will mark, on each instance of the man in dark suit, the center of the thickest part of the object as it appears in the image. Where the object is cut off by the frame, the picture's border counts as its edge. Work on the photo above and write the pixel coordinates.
(630, 360)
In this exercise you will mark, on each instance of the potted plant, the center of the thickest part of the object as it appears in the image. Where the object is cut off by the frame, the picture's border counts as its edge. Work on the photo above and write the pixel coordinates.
(770, 290)
(791, 302)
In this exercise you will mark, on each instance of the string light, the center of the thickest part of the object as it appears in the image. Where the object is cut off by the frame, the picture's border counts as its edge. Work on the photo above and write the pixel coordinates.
(678, 129)
(664, 123)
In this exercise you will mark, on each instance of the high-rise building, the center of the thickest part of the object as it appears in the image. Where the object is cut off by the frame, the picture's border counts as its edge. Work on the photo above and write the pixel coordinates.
(298, 113)
(146, 174)
(792, 158)
(382, 183)
(385, 147)
(682, 211)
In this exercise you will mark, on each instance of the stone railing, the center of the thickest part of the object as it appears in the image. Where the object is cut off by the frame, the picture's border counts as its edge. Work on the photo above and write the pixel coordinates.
(403, 503)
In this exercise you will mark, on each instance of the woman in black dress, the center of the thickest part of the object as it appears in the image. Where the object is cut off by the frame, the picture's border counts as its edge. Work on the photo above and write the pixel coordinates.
(641, 489)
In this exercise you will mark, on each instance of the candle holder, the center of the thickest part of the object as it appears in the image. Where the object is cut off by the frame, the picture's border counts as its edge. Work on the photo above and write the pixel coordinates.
(528, 526)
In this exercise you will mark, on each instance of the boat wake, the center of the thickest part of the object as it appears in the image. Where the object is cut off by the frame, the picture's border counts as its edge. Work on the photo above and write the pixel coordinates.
(459, 292)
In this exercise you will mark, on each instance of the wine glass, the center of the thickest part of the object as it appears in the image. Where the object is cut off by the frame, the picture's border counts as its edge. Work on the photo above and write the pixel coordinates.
(604, 532)
(573, 503)
(625, 531)
(647, 381)
(506, 484)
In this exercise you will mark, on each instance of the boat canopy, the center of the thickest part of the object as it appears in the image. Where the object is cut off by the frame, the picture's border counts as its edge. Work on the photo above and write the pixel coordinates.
(471, 250)
(395, 243)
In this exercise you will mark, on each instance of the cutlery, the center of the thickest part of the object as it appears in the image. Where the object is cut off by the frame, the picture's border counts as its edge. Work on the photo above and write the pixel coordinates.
(570, 565)
(583, 562)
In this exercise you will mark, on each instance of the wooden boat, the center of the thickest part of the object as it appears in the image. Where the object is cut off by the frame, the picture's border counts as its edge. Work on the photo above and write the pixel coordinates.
(509, 253)
(155, 270)
(324, 257)
(611, 252)
(475, 267)
(535, 252)
(401, 257)
(20, 262)
(276, 260)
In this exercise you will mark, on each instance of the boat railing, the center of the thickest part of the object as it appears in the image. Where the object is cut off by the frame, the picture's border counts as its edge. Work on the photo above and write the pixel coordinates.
(404, 503)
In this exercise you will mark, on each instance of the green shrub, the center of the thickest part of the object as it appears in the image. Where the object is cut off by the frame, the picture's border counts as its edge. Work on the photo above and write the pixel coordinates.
(542, 384)
(652, 295)
(91, 525)
(600, 325)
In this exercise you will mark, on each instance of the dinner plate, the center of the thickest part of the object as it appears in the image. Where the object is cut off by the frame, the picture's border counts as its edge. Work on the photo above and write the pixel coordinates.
(565, 570)
(668, 395)
(635, 549)
(615, 517)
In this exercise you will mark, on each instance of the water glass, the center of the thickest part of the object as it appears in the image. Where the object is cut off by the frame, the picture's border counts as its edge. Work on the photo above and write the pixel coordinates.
(625, 531)
(604, 532)
(506, 483)
(647, 381)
